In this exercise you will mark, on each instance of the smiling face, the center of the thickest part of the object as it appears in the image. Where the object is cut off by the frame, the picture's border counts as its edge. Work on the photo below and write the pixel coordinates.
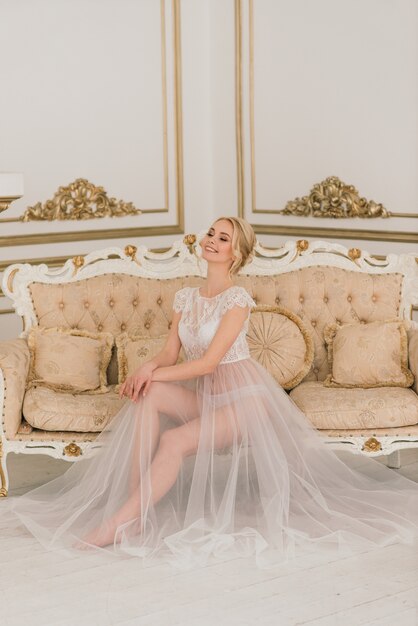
(217, 243)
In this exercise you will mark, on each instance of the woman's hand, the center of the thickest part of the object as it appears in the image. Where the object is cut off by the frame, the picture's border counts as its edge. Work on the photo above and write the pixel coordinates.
(141, 378)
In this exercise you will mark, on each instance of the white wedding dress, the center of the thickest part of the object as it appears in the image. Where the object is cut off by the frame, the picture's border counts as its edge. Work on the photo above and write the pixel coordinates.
(274, 492)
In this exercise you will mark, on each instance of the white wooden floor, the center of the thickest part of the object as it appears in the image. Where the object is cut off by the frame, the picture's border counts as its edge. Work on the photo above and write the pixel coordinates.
(378, 588)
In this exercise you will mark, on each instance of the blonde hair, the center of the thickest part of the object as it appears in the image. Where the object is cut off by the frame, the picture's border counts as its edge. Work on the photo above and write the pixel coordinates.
(243, 242)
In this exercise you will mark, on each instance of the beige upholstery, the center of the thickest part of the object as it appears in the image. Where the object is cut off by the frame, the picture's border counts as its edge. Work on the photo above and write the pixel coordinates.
(368, 355)
(14, 363)
(402, 431)
(114, 303)
(413, 355)
(142, 306)
(54, 435)
(61, 435)
(66, 359)
(322, 295)
(383, 407)
(56, 410)
(120, 303)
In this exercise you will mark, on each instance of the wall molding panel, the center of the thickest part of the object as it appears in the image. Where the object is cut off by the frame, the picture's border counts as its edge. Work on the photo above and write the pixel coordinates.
(165, 216)
(273, 90)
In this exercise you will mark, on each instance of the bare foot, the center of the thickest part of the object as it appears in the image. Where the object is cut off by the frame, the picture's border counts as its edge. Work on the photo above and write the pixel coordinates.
(104, 535)
(100, 536)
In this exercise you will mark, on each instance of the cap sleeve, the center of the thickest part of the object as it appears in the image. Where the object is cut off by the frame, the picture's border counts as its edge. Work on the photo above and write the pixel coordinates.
(237, 296)
(180, 299)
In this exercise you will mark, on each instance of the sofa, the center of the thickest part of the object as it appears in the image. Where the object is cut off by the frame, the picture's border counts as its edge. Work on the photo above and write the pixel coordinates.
(309, 286)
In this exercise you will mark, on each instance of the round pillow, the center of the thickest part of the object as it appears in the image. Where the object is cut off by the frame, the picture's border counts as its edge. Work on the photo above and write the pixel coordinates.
(279, 341)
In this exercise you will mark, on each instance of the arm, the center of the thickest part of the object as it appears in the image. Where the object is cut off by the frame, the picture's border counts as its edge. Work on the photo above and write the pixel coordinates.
(229, 328)
(169, 354)
(142, 377)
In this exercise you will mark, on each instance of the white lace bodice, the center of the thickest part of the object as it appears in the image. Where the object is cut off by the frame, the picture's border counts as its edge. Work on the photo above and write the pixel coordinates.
(201, 317)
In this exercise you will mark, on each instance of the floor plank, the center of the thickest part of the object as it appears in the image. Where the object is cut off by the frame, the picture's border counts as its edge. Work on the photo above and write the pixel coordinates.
(377, 588)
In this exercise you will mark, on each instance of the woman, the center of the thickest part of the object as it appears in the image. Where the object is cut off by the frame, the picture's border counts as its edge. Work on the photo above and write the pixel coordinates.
(234, 470)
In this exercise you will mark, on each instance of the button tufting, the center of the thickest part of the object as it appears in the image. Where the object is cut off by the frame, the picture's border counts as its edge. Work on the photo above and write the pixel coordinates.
(169, 324)
(111, 303)
(123, 326)
(86, 305)
(325, 298)
(313, 323)
(147, 325)
(349, 298)
(61, 305)
(374, 298)
(277, 300)
(135, 302)
(159, 300)
(100, 327)
(301, 299)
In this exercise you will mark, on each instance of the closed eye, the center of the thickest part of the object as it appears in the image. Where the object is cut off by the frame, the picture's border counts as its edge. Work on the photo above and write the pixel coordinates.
(211, 235)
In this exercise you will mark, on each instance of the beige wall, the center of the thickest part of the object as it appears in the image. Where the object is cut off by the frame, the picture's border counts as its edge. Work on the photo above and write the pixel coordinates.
(334, 92)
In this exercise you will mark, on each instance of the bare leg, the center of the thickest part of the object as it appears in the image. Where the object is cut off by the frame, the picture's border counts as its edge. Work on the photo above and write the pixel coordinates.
(175, 444)
(177, 402)
(148, 430)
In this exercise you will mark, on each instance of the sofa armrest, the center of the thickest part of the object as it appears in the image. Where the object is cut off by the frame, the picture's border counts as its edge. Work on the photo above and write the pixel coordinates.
(14, 365)
(413, 355)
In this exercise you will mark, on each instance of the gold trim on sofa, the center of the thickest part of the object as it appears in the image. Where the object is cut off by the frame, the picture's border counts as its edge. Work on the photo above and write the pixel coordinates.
(58, 261)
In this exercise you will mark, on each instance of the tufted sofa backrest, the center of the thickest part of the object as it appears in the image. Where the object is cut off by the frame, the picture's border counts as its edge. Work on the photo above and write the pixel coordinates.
(321, 295)
(119, 302)
(114, 303)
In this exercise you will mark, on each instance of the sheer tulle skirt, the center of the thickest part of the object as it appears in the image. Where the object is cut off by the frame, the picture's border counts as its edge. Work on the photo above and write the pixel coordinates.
(221, 466)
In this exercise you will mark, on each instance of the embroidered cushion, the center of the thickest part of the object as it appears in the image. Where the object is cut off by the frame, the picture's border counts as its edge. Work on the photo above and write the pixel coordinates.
(368, 355)
(69, 360)
(357, 408)
(135, 350)
(54, 410)
(278, 339)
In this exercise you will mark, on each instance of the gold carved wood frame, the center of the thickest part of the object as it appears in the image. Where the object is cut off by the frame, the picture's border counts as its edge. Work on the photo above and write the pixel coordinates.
(40, 210)
(244, 94)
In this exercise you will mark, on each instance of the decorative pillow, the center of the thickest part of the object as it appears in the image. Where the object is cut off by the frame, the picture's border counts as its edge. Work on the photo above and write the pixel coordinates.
(373, 354)
(278, 339)
(68, 359)
(135, 350)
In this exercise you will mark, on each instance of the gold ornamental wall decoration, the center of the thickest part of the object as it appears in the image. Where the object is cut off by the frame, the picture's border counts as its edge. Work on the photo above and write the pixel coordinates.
(333, 198)
(80, 200)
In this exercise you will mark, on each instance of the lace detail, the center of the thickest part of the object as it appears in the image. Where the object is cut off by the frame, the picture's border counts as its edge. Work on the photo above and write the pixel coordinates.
(180, 299)
(236, 296)
(201, 317)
